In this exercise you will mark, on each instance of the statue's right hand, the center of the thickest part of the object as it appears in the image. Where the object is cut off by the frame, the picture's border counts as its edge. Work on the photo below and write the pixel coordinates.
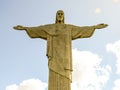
(19, 27)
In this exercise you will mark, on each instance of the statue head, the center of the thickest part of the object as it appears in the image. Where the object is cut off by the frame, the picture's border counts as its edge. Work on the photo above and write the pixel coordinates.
(59, 16)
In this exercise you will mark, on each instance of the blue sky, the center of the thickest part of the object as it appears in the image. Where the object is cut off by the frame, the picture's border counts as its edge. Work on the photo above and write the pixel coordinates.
(23, 60)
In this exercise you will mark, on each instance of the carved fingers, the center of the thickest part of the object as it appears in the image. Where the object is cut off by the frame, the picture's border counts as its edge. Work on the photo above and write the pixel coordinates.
(19, 27)
(102, 25)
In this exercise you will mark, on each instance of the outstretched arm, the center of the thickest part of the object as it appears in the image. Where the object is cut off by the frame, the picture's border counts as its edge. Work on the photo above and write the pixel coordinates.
(85, 31)
(33, 32)
(100, 26)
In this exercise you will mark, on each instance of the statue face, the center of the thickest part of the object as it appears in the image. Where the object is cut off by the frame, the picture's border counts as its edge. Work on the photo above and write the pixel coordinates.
(60, 16)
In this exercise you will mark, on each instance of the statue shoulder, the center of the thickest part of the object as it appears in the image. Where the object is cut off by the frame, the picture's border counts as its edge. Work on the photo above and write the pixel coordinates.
(46, 26)
(71, 25)
(49, 25)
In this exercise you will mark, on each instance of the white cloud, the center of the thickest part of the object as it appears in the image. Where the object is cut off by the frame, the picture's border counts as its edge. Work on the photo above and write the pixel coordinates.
(98, 10)
(115, 48)
(117, 85)
(12, 87)
(115, 1)
(31, 84)
(87, 72)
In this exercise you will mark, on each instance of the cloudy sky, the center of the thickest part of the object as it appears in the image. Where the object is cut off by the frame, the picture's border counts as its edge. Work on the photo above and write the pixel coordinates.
(96, 60)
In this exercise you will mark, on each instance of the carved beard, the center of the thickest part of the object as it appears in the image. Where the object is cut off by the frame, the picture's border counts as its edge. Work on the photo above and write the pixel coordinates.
(59, 21)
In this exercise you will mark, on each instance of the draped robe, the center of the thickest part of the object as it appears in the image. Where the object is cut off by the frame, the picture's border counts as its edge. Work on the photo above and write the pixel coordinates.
(59, 50)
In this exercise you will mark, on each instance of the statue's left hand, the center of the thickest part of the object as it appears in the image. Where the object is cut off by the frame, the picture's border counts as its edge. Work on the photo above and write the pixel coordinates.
(99, 26)
(19, 27)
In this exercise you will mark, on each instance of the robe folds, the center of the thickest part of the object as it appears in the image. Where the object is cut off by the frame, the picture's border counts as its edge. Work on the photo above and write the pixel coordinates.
(59, 38)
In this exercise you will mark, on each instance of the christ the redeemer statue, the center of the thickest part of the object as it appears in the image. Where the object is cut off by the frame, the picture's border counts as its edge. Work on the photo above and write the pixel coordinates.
(59, 50)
